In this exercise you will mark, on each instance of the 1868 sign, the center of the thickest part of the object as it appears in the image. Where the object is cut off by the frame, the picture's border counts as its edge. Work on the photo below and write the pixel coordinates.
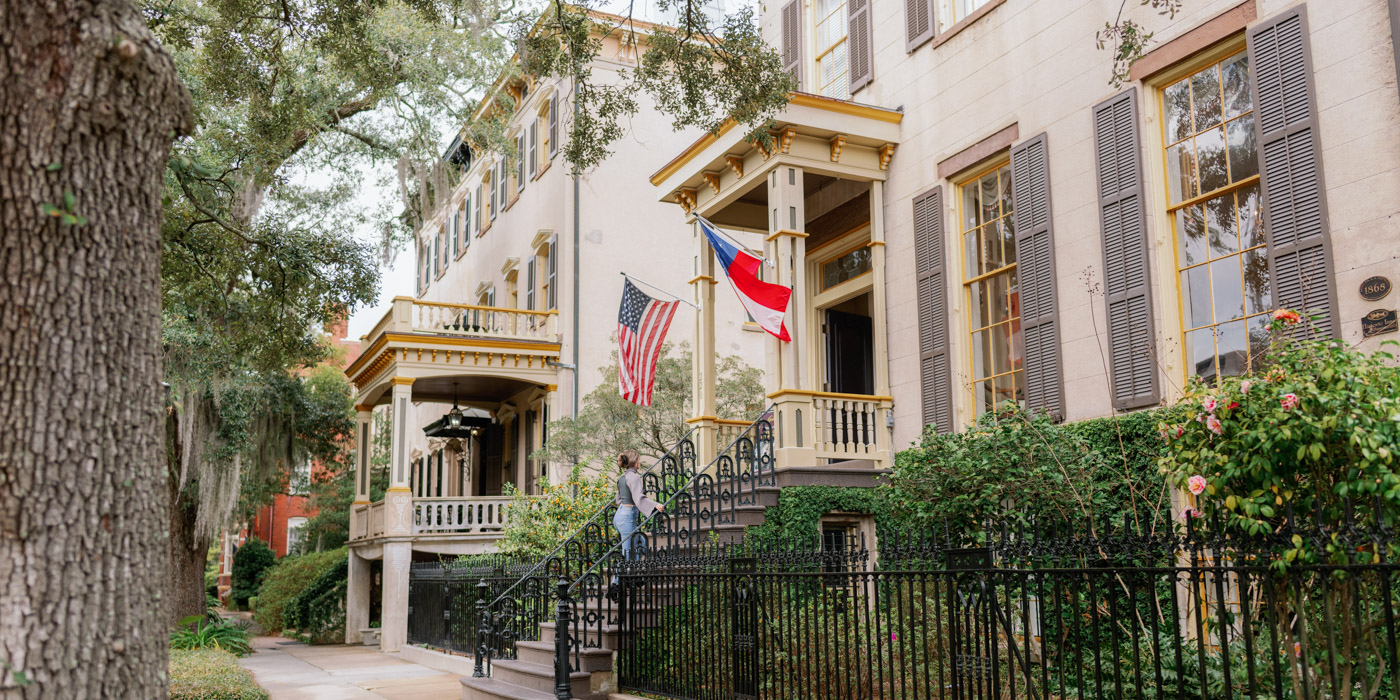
(1375, 288)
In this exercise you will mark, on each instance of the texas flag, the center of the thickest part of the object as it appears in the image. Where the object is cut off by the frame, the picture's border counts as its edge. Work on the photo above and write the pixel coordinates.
(766, 302)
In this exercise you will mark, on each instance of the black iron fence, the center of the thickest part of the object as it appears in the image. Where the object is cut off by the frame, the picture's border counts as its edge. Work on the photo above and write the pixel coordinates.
(442, 598)
(1028, 614)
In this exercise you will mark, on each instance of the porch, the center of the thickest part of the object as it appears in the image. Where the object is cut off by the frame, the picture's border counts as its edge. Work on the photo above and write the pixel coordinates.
(815, 193)
(452, 401)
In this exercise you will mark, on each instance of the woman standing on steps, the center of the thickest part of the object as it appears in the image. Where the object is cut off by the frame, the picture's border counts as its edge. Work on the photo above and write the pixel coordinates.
(632, 502)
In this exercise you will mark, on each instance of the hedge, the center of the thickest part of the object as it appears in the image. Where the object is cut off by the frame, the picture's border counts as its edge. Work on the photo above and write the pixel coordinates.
(318, 612)
(286, 580)
(209, 674)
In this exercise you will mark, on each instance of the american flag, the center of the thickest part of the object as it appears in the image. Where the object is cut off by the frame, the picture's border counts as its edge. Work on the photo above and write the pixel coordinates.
(642, 323)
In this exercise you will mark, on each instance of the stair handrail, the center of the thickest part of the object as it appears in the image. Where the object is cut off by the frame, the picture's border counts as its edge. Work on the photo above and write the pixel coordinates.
(652, 518)
(572, 537)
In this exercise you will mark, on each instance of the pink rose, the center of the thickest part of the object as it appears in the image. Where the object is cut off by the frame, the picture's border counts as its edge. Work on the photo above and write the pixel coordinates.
(1190, 513)
(1288, 316)
(1244, 386)
(1180, 431)
(1208, 403)
(1289, 401)
(1196, 484)
(1213, 424)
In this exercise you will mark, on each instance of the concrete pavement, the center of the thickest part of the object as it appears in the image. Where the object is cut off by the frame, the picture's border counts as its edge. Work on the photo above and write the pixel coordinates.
(340, 672)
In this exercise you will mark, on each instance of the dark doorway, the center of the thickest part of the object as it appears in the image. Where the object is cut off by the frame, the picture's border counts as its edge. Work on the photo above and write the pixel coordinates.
(850, 367)
(492, 441)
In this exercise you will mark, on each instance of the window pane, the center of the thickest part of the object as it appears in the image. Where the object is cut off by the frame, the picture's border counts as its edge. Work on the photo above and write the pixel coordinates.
(982, 395)
(970, 257)
(1232, 346)
(1244, 157)
(1251, 225)
(1176, 101)
(970, 206)
(1001, 348)
(1001, 310)
(981, 354)
(989, 210)
(991, 246)
(1205, 98)
(1235, 71)
(981, 303)
(1008, 240)
(1258, 297)
(1200, 352)
(1181, 172)
(1195, 296)
(1221, 226)
(1225, 285)
(1258, 339)
(1008, 390)
(1210, 160)
(1005, 189)
(1191, 235)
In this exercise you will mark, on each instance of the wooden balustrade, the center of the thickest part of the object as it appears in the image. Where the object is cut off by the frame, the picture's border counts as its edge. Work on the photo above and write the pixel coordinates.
(487, 321)
(846, 426)
(458, 515)
(377, 514)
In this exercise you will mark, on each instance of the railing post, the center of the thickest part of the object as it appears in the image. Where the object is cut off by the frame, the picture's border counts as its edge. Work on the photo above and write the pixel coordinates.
(482, 629)
(563, 687)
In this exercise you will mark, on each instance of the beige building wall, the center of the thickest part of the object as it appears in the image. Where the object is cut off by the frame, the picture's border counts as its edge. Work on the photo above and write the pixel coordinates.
(1034, 64)
(622, 228)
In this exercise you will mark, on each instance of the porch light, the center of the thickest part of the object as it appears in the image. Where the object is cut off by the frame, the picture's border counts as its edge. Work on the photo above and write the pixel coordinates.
(454, 417)
(455, 423)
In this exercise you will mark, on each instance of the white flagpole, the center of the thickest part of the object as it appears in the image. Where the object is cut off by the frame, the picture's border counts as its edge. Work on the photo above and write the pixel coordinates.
(677, 298)
(735, 241)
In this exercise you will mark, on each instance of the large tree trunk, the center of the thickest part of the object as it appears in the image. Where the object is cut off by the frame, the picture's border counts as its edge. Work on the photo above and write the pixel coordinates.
(185, 586)
(89, 103)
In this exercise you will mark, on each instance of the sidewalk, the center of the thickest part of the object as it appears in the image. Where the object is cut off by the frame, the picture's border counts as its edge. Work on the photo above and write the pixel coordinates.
(293, 671)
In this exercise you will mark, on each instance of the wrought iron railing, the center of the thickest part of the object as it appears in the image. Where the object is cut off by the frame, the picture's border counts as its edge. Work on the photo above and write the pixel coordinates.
(515, 613)
(1032, 613)
(442, 598)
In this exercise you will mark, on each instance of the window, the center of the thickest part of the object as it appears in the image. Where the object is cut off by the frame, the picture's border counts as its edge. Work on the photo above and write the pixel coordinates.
(553, 138)
(520, 164)
(551, 264)
(476, 222)
(457, 231)
(437, 253)
(299, 480)
(534, 157)
(846, 267)
(1214, 206)
(296, 535)
(427, 273)
(418, 270)
(467, 228)
(530, 283)
(487, 298)
(494, 180)
(989, 271)
(503, 190)
(950, 12)
(831, 48)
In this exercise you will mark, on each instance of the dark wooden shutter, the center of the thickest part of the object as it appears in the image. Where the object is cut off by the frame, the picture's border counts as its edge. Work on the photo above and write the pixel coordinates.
(861, 54)
(1290, 168)
(792, 40)
(551, 277)
(530, 284)
(534, 162)
(418, 271)
(918, 23)
(1035, 272)
(476, 227)
(1127, 280)
(553, 125)
(935, 371)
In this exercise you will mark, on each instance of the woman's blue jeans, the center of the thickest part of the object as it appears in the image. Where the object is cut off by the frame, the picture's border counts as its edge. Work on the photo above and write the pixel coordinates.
(626, 523)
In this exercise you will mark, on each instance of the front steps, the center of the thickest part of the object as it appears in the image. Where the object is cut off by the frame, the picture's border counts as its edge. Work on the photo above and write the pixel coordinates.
(530, 676)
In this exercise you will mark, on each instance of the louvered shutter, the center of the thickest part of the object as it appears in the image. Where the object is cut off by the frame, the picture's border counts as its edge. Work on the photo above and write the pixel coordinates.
(476, 221)
(861, 56)
(1127, 282)
(418, 270)
(468, 217)
(534, 148)
(792, 40)
(935, 371)
(551, 276)
(530, 284)
(495, 185)
(1035, 272)
(503, 191)
(918, 23)
(520, 154)
(1290, 168)
(457, 231)
(553, 125)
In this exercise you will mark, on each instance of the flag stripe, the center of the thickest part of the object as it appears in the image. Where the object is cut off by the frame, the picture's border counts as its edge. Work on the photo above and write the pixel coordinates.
(641, 333)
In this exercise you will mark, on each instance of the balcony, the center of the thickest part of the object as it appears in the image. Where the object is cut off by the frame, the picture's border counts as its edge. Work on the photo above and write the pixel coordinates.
(458, 525)
(410, 315)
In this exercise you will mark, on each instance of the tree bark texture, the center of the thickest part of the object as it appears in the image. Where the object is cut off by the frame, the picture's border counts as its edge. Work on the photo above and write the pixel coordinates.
(89, 103)
(184, 588)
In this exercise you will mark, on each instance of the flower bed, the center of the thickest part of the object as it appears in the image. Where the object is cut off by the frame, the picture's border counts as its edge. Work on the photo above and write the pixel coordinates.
(210, 674)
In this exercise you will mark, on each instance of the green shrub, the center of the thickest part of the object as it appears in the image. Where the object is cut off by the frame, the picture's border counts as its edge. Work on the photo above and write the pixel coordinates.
(222, 635)
(318, 611)
(249, 563)
(536, 525)
(1027, 467)
(210, 674)
(285, 580)
(1316, 431)
(796, 520)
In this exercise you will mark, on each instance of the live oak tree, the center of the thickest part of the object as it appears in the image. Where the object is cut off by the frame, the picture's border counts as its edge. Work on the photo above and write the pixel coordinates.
(89, 104)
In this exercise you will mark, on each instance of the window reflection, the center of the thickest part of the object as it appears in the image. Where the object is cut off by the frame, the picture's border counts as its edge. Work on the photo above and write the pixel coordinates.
(989, 271)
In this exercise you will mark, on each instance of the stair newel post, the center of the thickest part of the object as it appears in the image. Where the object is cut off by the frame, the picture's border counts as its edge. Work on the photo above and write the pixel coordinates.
(563, 688)
(483, 629)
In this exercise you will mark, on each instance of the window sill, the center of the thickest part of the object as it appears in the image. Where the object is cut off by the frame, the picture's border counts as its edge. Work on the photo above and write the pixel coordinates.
(512, 202)
(484, 229)
(539, 174)
(460, 253)
(964, 23)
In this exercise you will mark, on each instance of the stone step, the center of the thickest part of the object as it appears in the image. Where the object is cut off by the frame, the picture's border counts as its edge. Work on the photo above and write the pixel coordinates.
(494, 689)
(536, 676)
(609, 635)
(543, 653)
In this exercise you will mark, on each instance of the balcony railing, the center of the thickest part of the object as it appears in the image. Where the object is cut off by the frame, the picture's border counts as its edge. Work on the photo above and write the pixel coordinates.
(849, 426)
(410, 315)
(455, 515)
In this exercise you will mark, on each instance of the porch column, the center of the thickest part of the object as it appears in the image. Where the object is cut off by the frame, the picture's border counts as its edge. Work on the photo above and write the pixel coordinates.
(786, 372)
(364, 445)
(702, 384)
(398, 517)
(880, 324)
(357, 585)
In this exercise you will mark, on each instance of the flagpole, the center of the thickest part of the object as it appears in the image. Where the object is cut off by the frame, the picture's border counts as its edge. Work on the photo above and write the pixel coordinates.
(677, 298)
(733, 240)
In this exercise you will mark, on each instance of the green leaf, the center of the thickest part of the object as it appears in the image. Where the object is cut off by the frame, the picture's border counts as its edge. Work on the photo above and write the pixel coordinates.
(53, 166)
(189, 620)
(69, 200)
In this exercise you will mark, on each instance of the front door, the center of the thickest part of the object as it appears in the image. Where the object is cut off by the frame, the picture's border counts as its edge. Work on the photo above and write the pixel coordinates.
(850, 367)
